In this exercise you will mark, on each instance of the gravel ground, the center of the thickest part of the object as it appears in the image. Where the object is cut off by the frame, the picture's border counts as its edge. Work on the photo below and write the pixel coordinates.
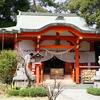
(4, 97)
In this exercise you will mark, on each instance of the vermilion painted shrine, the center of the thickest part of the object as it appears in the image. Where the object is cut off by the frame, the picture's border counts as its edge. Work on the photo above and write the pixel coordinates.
(65, 41)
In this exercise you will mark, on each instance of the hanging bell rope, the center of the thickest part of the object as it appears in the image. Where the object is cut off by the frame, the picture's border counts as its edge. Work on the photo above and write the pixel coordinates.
(56, 53)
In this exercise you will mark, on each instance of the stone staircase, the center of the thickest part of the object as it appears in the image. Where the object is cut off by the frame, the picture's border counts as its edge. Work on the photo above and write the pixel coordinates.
(66, 81)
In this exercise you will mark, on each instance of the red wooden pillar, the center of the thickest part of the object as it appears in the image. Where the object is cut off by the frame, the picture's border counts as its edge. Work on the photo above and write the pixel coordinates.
(38, 43)
(77, 64)
(73, 75)
(15, 42)
(91, 46)
(37, 63)
(15, 45)
(37, 74)
(42, 74)
(37, 66)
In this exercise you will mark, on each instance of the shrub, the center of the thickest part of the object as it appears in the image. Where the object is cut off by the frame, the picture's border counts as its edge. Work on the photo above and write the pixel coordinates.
(24, 92)
(4, 88)
(16, 88)
(13, 92)
(94, 91)
(8, 65)
(34, 92)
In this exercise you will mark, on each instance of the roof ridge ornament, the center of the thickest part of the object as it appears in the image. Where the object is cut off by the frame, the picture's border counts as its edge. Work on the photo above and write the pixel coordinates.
(60, 17)
(19, 12)
(3, 30)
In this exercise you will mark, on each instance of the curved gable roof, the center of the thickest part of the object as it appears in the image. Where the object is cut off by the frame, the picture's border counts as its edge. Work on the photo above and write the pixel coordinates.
(35, 22)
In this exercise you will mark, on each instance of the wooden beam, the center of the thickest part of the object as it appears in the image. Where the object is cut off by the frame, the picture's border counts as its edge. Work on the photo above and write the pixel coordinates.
(57, 46)
(89, 66)
(61, 29)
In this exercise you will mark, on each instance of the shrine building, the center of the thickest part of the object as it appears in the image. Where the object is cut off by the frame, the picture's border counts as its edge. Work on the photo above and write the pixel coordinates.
(68, 45)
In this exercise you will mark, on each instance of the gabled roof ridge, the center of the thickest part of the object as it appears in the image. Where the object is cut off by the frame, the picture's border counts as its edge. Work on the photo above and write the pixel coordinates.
(47, 14)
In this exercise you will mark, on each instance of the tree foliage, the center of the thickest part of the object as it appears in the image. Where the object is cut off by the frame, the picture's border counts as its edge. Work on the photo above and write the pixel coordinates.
(40, 5)
(74, 5)
(90, 10)
(61, 7)
(1, 3)
(43, 5)
(38, 9)
(8, 64)
(9, 9)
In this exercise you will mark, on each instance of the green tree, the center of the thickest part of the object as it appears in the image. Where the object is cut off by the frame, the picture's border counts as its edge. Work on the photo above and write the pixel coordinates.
(8, 65)
(90, 10)
(62, 7)
(9, 9)
(38, 8)
(41, 5)
(1, 3)
(74, 5)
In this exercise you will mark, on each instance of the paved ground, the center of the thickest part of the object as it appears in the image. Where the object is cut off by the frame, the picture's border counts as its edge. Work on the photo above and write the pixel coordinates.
(63, 97)
(76, 94)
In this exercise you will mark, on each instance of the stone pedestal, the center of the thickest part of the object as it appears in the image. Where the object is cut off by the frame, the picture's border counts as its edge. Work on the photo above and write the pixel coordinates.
(96, 79)
(21, 79)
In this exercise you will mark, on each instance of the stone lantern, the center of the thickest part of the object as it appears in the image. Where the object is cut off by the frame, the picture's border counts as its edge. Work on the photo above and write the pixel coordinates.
(99, 60)
(37, 61)
(37, 57)
(96, 78)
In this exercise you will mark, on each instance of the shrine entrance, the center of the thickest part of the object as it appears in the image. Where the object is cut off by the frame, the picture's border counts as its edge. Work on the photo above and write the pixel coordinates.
(53, 63)
(6, 44)
(97, 51)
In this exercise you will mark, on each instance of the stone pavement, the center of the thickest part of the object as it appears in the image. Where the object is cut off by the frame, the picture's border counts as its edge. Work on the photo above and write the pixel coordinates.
(76, 94)
(63, 97)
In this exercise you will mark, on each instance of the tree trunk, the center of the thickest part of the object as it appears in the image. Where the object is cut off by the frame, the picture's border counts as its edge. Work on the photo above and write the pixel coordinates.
(34, 3)
(29, 80)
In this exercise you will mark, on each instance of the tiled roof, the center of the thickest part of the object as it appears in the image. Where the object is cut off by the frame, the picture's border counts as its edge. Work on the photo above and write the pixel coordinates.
(34, 22)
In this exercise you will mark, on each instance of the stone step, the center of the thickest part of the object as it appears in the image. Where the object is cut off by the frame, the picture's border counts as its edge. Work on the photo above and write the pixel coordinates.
(67, 80)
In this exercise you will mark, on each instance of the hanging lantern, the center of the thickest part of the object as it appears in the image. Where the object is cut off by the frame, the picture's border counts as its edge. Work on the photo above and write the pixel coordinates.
(57, 41)
(38, 57)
